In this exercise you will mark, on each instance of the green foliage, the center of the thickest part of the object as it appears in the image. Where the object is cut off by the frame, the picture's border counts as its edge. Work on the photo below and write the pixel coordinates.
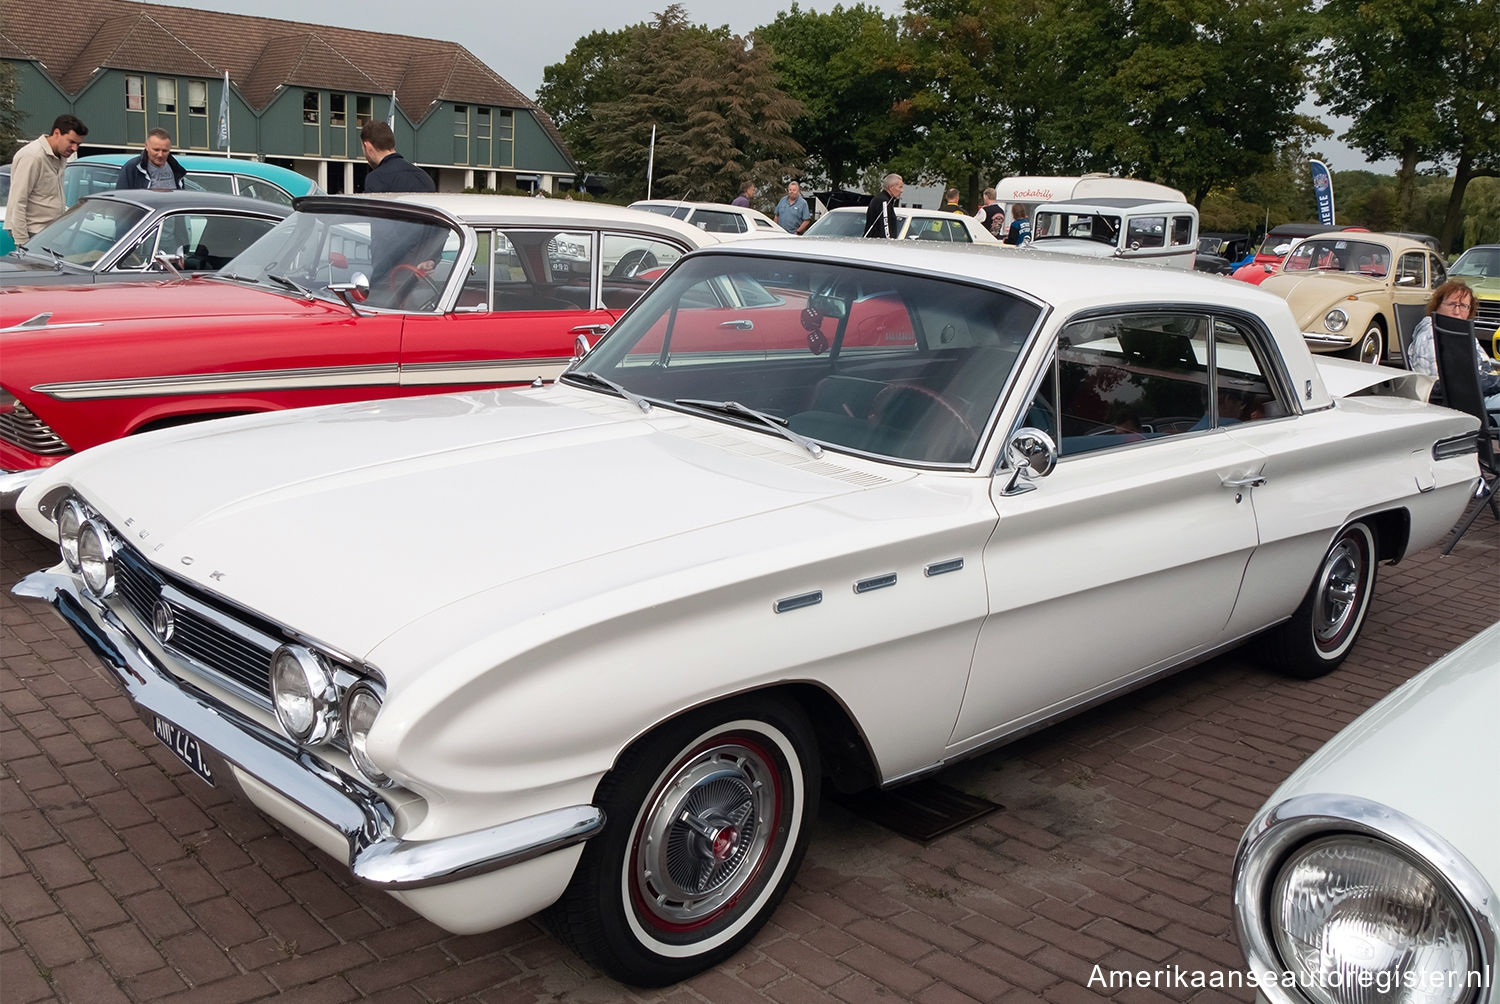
(720, 116)
(11, 138)
(844, 68)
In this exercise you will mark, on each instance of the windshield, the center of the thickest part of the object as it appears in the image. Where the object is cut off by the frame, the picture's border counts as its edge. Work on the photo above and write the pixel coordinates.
(1479, 263)
(838, 225)
(1327, 254)
(407, 260)
(1077, 225)
(856, 359)
(85, 233)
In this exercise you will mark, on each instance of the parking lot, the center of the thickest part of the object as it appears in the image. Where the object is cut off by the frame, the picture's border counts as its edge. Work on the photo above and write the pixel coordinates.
(124, 878)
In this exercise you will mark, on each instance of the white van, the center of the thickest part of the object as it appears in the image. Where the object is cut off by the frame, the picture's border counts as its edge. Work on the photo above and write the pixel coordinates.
(1034, 190)
(1156, 231)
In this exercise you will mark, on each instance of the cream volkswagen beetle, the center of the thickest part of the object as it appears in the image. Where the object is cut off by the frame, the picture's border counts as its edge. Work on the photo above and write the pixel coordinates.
(845, 512)
(1364, 877)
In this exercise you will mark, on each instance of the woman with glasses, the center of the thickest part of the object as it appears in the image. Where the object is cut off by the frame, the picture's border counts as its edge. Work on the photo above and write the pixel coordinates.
(1452, 299)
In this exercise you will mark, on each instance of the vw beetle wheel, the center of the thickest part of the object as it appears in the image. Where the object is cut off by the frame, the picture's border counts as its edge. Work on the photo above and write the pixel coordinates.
(1371, 346)
(708, 819)
(1325, 625)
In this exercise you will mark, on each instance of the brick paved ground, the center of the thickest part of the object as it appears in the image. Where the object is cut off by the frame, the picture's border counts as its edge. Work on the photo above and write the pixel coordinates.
(124, 878)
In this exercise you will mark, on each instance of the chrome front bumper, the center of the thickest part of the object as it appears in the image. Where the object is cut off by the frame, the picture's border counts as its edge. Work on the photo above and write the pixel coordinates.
(12, 482)
(230, 739)
(1322, 338)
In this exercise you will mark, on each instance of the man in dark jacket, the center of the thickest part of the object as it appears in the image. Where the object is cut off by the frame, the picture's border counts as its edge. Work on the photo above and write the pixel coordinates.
(389, 171)
(155, 168)
(880, 217)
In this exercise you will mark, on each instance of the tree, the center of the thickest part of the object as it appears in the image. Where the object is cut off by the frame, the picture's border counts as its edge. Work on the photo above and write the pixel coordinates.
(843, 67)
(712, 97)
(1209, 89)
(11, 138)
(1417, 79)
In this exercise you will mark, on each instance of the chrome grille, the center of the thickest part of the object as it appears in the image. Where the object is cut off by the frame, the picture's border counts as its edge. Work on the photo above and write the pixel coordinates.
(202, 634)
(1486, 320)
(19, 427)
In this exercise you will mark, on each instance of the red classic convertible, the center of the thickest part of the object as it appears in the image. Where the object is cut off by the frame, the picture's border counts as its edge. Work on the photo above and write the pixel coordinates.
(347, 299)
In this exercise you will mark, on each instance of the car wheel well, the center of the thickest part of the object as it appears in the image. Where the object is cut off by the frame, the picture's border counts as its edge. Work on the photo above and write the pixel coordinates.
(172, 421)
(1392, 533)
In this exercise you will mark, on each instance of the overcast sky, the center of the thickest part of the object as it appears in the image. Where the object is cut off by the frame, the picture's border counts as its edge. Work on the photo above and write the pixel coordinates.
(518, 40)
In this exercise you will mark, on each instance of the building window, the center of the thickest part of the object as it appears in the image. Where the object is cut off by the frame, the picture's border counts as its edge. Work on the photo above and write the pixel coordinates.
(166, 96)
(336, 110)
(482, 126)
(362, 109)
(135, 94)
(197, 97)
(310, 107)
(460, 120)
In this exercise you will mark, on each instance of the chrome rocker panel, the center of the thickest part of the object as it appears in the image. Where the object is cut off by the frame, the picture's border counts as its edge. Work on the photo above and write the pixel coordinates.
(352, 808)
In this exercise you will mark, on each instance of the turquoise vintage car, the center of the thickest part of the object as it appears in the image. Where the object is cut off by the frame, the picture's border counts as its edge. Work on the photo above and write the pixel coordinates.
(226, 175)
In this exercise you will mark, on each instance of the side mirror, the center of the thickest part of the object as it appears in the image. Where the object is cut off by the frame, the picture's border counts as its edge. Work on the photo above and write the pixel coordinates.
(1031, 454)
(356, 290)
(168, 262)
(581, 348)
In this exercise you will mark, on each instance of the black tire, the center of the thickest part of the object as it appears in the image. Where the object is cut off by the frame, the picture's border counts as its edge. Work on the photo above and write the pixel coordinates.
(1326, 624)
(656, 899)
(1371, 346)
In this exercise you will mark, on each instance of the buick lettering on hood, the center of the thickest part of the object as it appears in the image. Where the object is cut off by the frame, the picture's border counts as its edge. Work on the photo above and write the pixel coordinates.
(805, 516)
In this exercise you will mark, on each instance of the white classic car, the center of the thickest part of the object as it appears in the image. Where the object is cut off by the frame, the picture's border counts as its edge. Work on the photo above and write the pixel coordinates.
(1364, 877)
(1147, 230)
(721, 218)
(937, 225)
(840, 509)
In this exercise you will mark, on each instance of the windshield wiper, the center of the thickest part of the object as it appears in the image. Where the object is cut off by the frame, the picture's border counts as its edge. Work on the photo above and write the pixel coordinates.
(777, 425)
(289, 284)
(603, 381)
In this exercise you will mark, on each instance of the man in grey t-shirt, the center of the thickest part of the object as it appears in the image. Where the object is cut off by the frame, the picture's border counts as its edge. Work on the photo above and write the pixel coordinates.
(155, 168)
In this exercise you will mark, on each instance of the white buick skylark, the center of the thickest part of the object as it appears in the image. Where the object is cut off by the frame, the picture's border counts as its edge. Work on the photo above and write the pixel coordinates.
(848, 512)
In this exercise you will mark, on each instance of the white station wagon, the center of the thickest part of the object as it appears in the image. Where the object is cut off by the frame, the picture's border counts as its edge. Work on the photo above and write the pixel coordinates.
(849, 510)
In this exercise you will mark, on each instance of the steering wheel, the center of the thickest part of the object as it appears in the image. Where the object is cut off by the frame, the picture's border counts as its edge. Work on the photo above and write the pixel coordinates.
(426, 277)
(941, 447)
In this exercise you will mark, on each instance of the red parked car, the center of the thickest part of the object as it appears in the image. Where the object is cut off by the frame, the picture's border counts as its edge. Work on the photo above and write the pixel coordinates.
(1278, 241)
(346, 299)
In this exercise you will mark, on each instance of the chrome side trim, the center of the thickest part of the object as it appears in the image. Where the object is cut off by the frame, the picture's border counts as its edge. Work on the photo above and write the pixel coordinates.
(384, 375)
(790, 603)
(1278, 830)
(344, 803)
(43, 321)
(875, 582)
(483, 371)
(943, 567)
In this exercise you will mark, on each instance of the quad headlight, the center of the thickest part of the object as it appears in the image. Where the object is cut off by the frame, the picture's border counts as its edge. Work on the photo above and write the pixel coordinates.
(1356, 920)
(96, 559)
(304, 695)
(1336, 320)
(361, 705)
(70, 517)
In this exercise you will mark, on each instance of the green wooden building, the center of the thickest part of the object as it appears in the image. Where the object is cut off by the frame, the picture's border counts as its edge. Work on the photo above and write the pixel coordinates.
(297, 93)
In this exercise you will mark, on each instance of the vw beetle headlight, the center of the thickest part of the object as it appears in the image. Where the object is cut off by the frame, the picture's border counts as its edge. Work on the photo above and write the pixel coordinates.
(361, 705)
(304, 695)
(1357, 920)
(96, 559)
(70, 519)
(1336, 320)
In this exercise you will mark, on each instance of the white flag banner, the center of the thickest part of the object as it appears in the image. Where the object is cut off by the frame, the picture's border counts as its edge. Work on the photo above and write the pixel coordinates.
(224, 115)
(390, 118)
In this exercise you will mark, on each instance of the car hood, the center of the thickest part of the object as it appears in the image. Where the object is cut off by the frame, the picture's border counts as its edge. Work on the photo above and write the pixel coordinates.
(1311, 293)
(1487, 288)
(1421, 751)
(381, 513)
(1071, 245)
(153, 300)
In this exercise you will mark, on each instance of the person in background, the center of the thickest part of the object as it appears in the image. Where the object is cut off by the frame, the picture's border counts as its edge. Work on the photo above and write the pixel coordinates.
(155, 168)
(36, 178)
(1452, 299)
(747, 192)
(950, 201)
(1020, 226)
(792, 211)
(880, 217)
(389, 171)
(991, 213)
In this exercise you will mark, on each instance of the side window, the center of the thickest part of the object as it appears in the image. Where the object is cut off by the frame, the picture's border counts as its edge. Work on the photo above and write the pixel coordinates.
(1439, 270)
(1182, 230)
(716, 222)
(957, 232)
(1146, 232)
(1130, 378)
(631, 264)
(221, 183)
(140, 256)
(1411, 269)
(1241, 391)
(265, 191)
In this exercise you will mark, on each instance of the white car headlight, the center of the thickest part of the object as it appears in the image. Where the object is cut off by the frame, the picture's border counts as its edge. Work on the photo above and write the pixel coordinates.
(70, 519)
(361, 705)
(304, 695)
(1336, 320)
(96, 559)
(1356, 920)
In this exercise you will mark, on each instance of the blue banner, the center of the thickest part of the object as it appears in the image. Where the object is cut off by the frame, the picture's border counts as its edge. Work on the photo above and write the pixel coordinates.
(1323, 191)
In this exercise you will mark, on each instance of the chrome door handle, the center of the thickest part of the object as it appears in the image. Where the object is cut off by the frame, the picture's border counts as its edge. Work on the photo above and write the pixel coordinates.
(739, 323)
(1243, 481)
(597, 329)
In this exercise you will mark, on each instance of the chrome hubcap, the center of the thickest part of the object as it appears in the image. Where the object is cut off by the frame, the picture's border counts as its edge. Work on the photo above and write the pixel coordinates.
(1339, 592)
(1369, 348)
(703, 838)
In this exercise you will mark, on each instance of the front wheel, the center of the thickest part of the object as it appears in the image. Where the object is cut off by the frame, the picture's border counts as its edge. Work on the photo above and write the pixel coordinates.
(708, 818)
(1325, 625)
(1371, 346)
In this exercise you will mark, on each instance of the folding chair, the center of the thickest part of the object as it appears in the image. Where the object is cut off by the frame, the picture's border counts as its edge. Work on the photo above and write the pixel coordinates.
(1408, 316)
(1454, 343)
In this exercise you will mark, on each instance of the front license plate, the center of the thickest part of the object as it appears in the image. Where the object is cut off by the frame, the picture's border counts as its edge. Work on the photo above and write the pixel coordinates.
(188, 749)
